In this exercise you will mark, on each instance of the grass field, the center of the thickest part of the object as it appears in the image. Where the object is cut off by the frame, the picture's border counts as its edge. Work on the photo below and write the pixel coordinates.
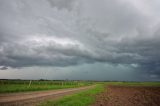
(83, 98)
(134, 83)
(8, 86)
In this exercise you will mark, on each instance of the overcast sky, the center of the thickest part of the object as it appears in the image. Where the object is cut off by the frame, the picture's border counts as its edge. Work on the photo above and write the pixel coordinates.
(80, 39)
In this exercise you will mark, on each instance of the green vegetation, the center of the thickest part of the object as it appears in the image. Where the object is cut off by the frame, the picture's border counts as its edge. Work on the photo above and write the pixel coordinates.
(83, 98)
(134, 83)
(37, 85)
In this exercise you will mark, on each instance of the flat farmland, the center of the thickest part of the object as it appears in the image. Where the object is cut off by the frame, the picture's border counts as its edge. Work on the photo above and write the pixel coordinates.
(31, 93)
(130, 94)
(78, 93)
(12, 86)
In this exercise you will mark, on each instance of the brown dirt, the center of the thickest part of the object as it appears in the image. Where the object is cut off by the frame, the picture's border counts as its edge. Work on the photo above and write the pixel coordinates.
(33, 98)
(129, 96)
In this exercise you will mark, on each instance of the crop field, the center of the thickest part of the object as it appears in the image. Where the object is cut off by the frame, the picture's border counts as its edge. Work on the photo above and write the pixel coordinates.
(125, 83)
(130, 94)
(89, 93)
(114, 94)
(9, 86)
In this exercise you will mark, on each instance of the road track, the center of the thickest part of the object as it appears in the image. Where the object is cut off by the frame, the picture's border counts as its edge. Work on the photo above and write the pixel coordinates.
(33, 98)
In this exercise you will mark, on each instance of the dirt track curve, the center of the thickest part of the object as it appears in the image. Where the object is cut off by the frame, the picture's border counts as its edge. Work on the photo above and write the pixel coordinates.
(33, 98)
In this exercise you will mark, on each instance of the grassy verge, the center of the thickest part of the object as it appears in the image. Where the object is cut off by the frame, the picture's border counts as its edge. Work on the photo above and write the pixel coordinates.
(83, 98)
(23, 88)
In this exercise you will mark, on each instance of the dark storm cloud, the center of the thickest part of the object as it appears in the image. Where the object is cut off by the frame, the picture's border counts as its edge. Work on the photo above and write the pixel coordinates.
(147, 51)
(66, 33)
(62, 4)
(3, 68)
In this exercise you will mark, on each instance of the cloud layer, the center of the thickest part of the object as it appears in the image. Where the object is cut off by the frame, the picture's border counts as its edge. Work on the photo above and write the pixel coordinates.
(73, 32)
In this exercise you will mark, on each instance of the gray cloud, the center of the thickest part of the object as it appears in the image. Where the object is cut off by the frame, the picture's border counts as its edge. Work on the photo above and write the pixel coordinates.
(3, 68)
(67, 33)
(62, 4)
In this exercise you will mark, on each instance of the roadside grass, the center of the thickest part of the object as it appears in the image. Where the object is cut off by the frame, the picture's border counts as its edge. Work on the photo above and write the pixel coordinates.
(23, 86)
(83, 98)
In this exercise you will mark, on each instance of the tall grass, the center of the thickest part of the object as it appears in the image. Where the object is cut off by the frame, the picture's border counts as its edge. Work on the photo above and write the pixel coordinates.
(36, 85)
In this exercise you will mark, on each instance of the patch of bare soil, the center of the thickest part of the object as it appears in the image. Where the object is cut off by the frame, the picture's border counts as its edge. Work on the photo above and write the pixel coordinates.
(129, 96)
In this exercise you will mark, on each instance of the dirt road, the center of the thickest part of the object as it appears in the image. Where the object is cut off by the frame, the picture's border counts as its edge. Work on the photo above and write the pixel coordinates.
(33, 98)
(129, 96)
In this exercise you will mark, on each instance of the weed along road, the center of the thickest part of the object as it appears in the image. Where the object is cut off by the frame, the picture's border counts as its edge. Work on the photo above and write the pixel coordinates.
(33, 98)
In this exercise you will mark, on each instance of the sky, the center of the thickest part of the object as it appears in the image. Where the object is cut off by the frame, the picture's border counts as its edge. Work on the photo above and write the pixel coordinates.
(80, 39)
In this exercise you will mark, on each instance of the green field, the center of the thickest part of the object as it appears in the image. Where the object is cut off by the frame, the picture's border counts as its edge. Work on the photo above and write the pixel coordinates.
(83, 98)
(134, 83)
(8, 86)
